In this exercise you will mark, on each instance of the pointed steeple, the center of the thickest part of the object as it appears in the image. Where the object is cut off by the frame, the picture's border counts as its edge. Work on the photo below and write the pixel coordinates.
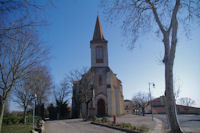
(98, 33)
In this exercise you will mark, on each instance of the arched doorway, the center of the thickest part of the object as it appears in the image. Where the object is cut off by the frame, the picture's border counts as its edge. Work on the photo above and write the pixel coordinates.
(101, 111)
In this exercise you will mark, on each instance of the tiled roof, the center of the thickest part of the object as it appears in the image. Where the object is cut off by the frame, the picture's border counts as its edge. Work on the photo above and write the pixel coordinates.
(156, 99)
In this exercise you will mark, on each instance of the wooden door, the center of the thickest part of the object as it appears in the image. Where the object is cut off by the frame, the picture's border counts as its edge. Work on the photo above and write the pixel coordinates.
(101, 107)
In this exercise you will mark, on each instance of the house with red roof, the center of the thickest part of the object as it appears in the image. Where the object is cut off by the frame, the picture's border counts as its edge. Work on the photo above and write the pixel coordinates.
(158, 107)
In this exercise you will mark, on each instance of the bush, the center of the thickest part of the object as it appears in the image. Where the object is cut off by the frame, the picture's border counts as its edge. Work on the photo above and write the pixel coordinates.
(127, 126)
(8, 120)
(143, 129)
(12, 120)
(104, 119)
(94, 118)
(30, 119)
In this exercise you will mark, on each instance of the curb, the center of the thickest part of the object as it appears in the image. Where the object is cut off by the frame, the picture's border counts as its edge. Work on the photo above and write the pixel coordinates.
(125, 130)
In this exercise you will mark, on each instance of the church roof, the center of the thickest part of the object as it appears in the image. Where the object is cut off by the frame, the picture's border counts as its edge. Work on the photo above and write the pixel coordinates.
(98, 33)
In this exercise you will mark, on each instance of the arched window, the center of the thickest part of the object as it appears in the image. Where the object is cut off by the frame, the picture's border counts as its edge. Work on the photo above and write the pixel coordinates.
(99, 54)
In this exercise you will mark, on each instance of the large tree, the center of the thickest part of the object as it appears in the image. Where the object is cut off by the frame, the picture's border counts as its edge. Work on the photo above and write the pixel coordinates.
(42, 84)
(18, 57)
(24, 96)
(87, 86)
(42, 88)
(28, 87)
(139, 16)
(75, 76)
(20, 49)
(140, 100)
(63, 97)
(186, 101)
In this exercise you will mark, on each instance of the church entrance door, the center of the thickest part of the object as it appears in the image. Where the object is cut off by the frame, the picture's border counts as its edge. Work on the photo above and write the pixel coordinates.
(101, 107)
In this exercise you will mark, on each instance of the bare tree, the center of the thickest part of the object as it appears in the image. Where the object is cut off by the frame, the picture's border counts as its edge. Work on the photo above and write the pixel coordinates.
(62, 97)
(140, 100)
(42, 88)
(75, 75)
(42, 84)
(86, 93)
(139, 16)
(86, 83)
(25, 90)
(186, 101)
(63, 92)
(20, 50)
(17, 58)
(24, 14)
(74, 78)
(24, 96)
(177, 93)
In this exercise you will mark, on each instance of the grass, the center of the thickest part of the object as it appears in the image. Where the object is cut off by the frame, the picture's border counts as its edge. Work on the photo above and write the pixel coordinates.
(17, 128)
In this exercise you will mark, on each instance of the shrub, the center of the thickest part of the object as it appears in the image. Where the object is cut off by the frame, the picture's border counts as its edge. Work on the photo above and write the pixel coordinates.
(30, 119)
(104, 119)
(12, 120)
(127, 125)
(143, 129)
(94, 118)
(8, 120)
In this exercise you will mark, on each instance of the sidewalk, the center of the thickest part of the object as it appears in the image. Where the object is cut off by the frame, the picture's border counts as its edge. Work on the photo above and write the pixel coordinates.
(155, 126)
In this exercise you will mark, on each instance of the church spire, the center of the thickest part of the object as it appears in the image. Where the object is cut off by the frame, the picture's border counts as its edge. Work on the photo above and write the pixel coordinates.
(98, 45)
(98, 32)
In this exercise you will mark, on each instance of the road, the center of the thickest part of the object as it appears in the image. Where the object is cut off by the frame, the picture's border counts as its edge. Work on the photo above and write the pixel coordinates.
(75, 126)
(189, 123)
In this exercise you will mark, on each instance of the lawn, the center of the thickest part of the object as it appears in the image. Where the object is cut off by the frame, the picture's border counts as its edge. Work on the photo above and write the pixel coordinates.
(17, 128)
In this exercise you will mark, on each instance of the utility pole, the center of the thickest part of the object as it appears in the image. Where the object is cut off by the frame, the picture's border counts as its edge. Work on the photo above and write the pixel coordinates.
(151, 83)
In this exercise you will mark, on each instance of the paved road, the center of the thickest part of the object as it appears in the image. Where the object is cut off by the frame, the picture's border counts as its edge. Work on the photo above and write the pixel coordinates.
(75, 126)
(189, 123)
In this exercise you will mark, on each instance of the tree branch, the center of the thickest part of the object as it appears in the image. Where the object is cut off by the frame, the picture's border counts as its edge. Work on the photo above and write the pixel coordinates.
(156, 17)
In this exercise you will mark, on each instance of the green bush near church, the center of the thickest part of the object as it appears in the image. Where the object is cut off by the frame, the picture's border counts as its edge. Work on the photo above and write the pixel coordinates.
(14, 124)
(8, 120)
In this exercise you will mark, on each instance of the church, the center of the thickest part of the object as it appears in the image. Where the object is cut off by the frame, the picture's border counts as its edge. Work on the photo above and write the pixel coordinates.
(99, 92)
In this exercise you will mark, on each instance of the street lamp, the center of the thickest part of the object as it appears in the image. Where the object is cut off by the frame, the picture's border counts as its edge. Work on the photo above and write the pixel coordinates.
(35, 96)
(151, 83)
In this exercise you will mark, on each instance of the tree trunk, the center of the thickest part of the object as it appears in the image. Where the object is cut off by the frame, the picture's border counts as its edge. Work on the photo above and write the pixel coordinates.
(170, 99)
(24, 115)
(143, 113)
(87, 110)
(2, 106)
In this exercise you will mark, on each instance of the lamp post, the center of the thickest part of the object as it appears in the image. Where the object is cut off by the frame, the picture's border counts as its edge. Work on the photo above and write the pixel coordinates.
(35, 96)
(151, 83)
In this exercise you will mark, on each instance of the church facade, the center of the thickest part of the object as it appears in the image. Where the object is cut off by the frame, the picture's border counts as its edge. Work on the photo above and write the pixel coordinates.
(99, 92)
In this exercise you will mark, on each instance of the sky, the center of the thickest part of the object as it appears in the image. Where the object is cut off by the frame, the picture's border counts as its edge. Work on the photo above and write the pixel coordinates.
(71, 26)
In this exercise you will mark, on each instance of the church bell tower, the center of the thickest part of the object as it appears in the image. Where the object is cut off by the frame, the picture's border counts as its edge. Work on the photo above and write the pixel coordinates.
(98, 45)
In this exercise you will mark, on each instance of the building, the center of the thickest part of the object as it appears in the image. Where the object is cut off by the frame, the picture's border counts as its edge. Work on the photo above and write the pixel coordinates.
(99, 92)
(158, 107)
(128, 107)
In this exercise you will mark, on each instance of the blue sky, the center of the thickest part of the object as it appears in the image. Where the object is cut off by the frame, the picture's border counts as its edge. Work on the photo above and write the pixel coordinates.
(71, 27)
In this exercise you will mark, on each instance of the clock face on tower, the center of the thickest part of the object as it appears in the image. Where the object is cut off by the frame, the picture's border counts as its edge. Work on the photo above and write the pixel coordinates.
(99, 54)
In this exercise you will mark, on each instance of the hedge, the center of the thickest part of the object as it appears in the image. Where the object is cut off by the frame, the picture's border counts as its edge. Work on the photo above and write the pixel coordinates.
(8, 120)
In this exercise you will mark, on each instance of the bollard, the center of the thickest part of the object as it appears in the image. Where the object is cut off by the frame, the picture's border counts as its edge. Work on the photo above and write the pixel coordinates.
(114, 119)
